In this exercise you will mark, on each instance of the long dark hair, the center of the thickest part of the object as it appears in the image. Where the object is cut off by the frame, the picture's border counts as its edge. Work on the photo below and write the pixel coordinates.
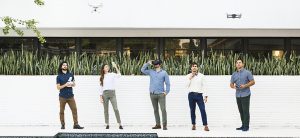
(59, 67)
(102, 74)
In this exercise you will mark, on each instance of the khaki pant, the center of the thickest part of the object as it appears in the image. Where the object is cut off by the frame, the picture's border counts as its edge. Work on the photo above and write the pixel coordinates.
(110, 95)
(72, 104)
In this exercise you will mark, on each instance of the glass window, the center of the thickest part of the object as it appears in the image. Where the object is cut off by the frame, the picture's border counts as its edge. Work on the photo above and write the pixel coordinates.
(263, 47)
(224, 45)
(295, 45)
(133, 46)
(100, 46)
(181, 47)
(59, 46)
(17, 44)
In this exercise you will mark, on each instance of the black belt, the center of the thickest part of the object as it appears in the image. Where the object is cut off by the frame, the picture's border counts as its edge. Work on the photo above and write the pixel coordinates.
(195, 93)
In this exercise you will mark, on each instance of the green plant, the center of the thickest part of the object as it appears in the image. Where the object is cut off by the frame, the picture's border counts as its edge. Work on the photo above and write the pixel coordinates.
(30, 63)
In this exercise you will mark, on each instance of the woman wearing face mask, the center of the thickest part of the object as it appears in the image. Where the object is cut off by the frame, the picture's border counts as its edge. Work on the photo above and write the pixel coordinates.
(107, 91)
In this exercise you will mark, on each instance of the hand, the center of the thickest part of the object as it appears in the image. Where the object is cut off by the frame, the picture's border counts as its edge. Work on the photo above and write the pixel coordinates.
(114, 65)
(164, 93)
(70, 84)
(205, 99)
(67, 84)
(233, 86)
(101, 99)
(192, 75)
(243, 86)
(150, 62)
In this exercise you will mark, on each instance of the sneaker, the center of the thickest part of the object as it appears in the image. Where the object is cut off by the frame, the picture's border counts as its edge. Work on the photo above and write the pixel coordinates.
(62, 127)
(120, 127)
(77, 127)
(107, 127)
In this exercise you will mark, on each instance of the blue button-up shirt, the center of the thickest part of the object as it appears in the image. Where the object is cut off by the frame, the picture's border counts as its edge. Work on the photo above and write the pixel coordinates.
(242, 77)
(66, 92)
(157, 80)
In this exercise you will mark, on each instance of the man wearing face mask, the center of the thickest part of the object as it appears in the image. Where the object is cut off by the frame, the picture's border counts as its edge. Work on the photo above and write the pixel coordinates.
(195, 85)
(158, 93)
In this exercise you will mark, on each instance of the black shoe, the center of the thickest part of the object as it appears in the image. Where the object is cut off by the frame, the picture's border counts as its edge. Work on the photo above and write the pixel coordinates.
(107, 127)
(77, 127)
(120, 127)
(165, 128)
(62, 127)
(240, 128)
(245, 129)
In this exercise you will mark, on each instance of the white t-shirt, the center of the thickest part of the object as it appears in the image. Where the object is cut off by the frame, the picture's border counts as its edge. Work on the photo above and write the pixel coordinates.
(109, 82)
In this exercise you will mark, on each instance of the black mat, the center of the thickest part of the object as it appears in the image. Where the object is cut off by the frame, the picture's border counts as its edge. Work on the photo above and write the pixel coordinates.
(106, 135)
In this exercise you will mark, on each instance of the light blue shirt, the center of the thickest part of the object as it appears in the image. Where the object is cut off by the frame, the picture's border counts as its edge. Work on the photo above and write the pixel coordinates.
(242, 77)
(157, 80)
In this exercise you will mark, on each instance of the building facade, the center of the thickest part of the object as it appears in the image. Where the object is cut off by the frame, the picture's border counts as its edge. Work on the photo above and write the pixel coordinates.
(168, 28)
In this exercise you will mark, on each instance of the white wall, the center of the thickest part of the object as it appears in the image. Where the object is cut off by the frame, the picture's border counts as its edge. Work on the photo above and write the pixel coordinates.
(158, 18)
(158, 13)
(33, 100)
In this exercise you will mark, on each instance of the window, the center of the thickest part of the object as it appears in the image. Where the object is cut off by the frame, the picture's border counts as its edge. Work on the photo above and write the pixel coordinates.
(263, 47)
(133, 46)
(59, 46)
(181, 47)
(224, 45)
(17, 44)
(295, 45)
(99, 46)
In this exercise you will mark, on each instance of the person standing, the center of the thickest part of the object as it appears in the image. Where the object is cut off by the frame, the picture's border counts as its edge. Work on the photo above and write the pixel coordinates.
(195, 85)
(108, 92)
(242, 80)
(158, 93)
(64, 83)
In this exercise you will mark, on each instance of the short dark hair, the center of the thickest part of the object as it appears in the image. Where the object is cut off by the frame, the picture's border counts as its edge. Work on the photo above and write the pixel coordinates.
(240, 60)
(59, 67)
(156, 62)
(194, 63)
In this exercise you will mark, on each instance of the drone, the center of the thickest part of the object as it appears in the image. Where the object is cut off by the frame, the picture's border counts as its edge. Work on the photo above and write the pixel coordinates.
(233, 16)
(95, 7)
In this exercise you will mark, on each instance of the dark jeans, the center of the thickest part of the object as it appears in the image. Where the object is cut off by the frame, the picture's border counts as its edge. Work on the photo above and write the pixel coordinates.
(244, 105)
(193, 99)
(72, 104)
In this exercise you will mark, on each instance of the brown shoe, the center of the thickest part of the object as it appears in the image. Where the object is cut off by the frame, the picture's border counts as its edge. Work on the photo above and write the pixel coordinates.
(206, 128)
(194, 127)
(156, 127)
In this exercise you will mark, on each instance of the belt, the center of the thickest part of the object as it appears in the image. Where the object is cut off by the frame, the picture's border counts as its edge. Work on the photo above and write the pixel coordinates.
(195, 93)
